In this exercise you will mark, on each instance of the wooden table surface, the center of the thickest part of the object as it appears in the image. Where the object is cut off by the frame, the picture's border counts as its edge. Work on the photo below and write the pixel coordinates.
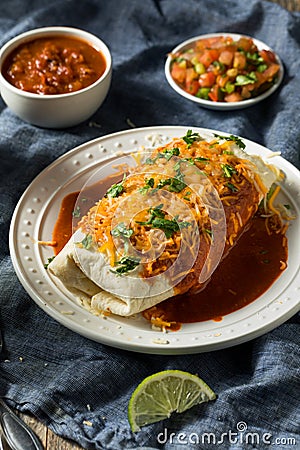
(51, 441)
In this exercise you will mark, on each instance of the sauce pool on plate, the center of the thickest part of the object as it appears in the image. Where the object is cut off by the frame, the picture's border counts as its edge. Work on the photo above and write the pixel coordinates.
(53, 65)
(248, 271)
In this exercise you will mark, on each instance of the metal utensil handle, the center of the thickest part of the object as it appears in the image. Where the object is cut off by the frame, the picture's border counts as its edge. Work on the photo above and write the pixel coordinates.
(18, 434)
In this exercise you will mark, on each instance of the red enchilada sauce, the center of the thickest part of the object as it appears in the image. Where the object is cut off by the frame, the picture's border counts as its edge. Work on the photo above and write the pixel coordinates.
(54, 65)
(249, 269)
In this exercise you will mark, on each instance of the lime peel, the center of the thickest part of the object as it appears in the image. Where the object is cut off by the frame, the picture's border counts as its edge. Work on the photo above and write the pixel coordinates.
(163, 393)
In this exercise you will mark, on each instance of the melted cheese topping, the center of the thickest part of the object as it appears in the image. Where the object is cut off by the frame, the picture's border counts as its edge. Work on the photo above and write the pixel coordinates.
(235, 179)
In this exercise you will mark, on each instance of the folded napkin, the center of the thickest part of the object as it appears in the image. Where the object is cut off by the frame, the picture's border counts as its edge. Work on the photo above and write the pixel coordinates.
(80, 388)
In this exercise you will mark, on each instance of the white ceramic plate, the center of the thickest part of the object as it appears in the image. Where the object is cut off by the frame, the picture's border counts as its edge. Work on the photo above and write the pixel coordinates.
(36, 213)
(222, 105)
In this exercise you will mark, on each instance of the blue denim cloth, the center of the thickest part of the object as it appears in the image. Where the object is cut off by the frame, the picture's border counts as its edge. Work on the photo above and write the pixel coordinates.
(55, 374)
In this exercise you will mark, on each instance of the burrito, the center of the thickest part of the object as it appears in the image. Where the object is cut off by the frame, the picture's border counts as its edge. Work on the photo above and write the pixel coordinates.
(165, 226)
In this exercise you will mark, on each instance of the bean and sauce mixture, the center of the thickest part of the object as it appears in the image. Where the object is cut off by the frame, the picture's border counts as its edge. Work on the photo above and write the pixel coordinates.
(54, 65)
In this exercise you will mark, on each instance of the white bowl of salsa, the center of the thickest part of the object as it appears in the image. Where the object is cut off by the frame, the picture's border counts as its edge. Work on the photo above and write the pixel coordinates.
(55, 77)
(224, 71)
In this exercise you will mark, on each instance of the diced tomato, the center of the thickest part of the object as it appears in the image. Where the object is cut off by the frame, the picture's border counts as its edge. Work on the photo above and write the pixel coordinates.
(209, 56)
(260, 80)
(239, 61)
(192, 87)
(222, 80)
(268, 56)
(207, 79)
(190, 75)
(234, 97)
(215, 93)
(178, 73)
(208, 43)
(245, 43)
(270, 72)
(246, 92)
(226, 57)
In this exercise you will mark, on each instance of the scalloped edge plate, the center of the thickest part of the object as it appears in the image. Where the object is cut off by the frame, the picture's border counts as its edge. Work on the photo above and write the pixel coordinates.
(36, 213)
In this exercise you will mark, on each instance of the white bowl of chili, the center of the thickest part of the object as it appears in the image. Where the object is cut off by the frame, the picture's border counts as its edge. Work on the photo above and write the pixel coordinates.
(224, 71)
(55, 77)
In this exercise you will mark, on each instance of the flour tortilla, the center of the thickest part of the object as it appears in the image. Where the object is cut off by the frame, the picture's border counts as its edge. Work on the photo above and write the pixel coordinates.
(67, 270)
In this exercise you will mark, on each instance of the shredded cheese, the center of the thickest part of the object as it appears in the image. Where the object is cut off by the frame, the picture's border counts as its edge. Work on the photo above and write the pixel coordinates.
(210, 158)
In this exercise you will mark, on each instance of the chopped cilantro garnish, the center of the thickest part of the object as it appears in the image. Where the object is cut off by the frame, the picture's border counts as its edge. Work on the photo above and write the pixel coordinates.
(126, 264)
(48, 262)
(150, 161)
(168, 226)
(149, 184)
(232, 187)
(76, 213)
(236, 139)
(169, 152)
(179, 174)
(157, 220)
(87, 241)
(116, 189)
(121, 231)
(154, 212)
(191, 137)
(186, 197)
(174, 184)
(190, 161)
(228, 170)
(287, 206)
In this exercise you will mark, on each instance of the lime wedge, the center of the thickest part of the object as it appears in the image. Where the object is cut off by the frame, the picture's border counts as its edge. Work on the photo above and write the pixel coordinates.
(158, 395)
